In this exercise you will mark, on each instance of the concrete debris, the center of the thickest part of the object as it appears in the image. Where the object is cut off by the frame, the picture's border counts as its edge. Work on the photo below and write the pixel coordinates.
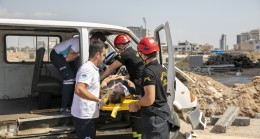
(226, 119)
(239, 121)
(257, 116)
(214, 97)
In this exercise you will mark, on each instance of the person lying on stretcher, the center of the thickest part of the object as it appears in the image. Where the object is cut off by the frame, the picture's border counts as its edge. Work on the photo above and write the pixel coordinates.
(117, 88)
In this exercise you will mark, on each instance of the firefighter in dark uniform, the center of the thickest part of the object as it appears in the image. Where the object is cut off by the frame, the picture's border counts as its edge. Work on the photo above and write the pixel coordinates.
(154, 82)
(134, 65)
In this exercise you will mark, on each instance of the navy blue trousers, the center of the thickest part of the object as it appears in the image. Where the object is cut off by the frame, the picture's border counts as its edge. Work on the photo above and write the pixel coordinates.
(68, 72)
(85, 128)
(154, 127)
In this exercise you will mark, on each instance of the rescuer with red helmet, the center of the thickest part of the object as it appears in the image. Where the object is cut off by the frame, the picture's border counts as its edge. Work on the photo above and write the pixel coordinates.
(154, 83)
(134, 65)
(127, 57)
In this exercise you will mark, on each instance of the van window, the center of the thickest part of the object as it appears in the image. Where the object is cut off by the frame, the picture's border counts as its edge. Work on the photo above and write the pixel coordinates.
(162, 42)
(23, 48)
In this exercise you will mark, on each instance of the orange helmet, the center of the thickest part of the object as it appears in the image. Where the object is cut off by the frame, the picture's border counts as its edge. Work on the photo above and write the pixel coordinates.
(121, 39)
(147, 45)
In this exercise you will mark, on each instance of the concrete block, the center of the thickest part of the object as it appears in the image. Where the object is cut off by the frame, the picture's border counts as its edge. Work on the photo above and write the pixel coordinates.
(257, 115)
(226, 119)
(239, 121)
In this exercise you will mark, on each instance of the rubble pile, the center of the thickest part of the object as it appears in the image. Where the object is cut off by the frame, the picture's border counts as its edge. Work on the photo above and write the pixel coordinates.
(229, 58)
(247, 97)
(254, 56)
(214, 97)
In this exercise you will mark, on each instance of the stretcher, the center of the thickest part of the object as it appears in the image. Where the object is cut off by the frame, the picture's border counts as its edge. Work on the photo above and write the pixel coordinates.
(124, 106)
(114, 108)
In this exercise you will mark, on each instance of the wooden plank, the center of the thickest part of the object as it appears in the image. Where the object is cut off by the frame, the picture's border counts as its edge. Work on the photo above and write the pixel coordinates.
(239, 121)
(42, 118)
(226, 120)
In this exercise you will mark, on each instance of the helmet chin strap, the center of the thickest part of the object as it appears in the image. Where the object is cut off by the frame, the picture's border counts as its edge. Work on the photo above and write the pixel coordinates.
(123, 48)
(144, 60)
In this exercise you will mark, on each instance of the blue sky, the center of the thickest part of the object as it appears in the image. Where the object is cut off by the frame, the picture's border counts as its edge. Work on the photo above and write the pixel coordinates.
(197, 21)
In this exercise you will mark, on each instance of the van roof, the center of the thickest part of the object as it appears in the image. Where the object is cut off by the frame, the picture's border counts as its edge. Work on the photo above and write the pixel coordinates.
(53, 23)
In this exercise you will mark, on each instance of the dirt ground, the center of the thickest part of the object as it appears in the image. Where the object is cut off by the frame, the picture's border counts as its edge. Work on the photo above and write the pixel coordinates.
(234, 132)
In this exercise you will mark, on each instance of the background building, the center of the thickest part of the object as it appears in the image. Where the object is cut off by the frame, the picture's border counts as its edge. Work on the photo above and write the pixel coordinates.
(249, 41)
(185, 47)
(223, 42)
(139, 31)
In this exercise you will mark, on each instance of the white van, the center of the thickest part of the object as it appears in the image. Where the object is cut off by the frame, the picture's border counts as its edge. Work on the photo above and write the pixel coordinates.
(19, 102)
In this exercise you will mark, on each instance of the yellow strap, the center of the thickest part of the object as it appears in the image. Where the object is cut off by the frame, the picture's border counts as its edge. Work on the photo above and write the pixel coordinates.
(139, 136)
(135, 135)
(115, 109)
(105, 100)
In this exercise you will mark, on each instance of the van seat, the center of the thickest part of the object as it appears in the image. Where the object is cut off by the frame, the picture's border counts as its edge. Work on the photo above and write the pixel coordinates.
(45, 85)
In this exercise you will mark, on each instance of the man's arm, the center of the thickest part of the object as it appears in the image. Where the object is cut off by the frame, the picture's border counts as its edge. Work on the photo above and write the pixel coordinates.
(72, 55)
(147, 100)
(116, 64)
(130, 84)
(82, 92)
(108, 79)
(149, 96)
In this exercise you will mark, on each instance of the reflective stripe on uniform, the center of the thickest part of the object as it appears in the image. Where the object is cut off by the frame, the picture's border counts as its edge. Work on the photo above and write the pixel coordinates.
(70, 81)
(62, 68)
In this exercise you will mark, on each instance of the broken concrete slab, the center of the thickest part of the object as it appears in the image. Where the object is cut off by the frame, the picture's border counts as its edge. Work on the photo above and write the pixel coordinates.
(226, 119)
(257, 115)
(239, 121)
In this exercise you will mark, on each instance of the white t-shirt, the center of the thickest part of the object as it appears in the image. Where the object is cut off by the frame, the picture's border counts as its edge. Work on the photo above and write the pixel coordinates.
(64, 47)
(82, 108)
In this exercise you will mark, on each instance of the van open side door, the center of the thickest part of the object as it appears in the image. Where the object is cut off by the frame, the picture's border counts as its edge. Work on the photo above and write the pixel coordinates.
(180, 97)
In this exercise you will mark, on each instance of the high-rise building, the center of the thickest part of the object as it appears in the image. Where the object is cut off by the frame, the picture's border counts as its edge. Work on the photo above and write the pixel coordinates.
(223, 42)
(248, 36)
(248, 41)
(238, 39)
(254, 35)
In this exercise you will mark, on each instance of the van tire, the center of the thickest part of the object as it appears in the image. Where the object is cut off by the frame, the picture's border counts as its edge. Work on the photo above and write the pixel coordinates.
(44, 100)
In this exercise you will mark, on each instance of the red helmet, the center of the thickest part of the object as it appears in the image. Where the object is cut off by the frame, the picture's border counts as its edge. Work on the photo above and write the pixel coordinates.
(121, 39)
(147, 45)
